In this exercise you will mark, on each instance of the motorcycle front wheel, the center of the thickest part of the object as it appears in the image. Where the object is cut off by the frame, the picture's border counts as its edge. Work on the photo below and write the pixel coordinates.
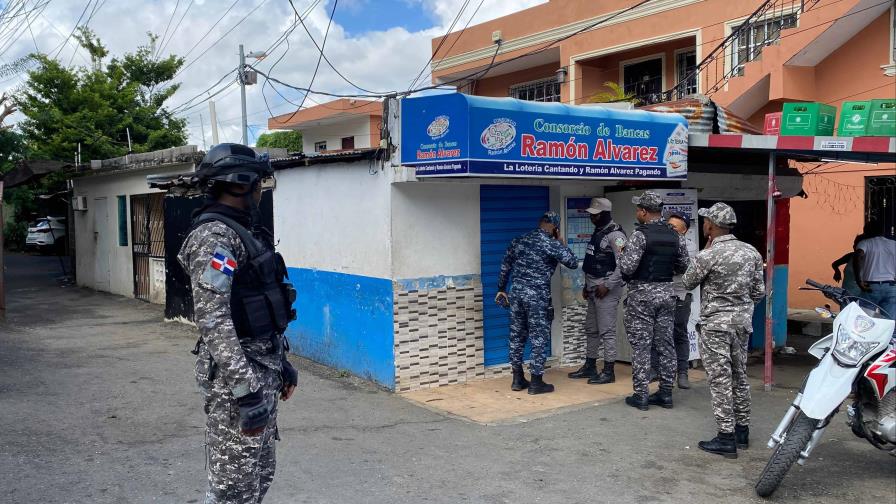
(785, 454)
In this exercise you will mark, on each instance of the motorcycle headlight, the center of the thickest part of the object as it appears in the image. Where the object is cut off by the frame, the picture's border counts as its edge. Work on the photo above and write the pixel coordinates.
(849, 348)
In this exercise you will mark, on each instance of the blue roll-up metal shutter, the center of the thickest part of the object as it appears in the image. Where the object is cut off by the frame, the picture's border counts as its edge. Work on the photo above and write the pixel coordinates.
(505, 213)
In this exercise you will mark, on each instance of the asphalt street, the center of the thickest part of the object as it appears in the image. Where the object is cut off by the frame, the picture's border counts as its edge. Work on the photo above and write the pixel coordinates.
(98, 405)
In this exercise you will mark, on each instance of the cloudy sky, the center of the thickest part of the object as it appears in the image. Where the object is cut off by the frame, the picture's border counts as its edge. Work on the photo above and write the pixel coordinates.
(380, 45)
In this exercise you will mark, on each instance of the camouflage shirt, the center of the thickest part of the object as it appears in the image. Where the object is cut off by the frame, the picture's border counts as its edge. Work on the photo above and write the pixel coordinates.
(532, 259)
(631, 259)
(731, 275)
(211, 305)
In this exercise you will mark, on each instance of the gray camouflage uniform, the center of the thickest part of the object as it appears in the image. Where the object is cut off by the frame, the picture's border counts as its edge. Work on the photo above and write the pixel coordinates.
(531, 259)
(240, 468)
(649, 310)
(732, 279)
(601, 313)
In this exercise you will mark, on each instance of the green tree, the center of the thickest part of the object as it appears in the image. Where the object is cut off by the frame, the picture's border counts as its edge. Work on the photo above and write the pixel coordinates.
(290, 140)
(96, 106)
(613, 93)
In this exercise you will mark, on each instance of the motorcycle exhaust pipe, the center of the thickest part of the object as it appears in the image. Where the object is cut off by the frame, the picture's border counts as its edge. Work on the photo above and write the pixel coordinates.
(813, 442)
(785, 422)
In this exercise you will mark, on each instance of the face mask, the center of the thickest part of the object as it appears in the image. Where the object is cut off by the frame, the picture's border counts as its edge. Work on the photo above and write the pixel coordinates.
(603, 219)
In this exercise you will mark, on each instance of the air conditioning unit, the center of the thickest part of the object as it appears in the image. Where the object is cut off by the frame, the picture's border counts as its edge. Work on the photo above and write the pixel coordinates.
(79, 203)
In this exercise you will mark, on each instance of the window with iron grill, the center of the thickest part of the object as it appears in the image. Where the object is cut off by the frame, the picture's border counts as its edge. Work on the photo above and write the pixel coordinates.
(748, 44)
(320, 146)
(547, 90)
(686, 63)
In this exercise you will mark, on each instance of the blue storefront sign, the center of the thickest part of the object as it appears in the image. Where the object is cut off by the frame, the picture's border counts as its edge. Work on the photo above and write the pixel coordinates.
(460, 135)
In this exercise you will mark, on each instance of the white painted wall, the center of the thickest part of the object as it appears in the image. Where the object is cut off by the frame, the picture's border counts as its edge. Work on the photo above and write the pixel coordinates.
(435, 229)
(110, 185)
(333, 134)
(334, 217)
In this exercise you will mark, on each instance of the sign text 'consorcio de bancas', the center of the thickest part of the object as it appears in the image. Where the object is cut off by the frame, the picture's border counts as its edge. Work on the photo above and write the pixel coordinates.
(460, 135)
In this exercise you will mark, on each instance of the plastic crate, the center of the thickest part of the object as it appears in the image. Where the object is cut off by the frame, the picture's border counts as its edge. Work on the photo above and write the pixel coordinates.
(808, 119)
(772, 123)
(882, 120)
(854, 118)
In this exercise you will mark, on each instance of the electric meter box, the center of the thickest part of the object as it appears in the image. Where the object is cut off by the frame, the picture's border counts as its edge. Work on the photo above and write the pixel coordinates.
(808, 119)
(854, 118)
(882, 120)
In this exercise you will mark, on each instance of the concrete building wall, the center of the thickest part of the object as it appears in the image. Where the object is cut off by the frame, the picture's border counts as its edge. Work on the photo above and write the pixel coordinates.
(332, 223)
(96, 234)
(357, 127)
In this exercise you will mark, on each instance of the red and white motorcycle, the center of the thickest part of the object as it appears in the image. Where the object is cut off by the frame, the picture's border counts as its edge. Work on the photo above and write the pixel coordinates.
(858, 359)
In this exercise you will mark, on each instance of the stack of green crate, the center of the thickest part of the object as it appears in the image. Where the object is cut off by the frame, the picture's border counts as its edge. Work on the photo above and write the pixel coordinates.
(882, 119)
(808, 119)
(868, 118)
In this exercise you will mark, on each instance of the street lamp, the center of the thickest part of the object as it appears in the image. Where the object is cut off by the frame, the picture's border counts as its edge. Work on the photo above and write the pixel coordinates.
(250, 78)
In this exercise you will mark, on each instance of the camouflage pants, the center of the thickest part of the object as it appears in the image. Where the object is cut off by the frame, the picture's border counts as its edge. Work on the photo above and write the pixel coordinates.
(724, 355)
(529, 321)
(649, 317)
(600, 326)
(240, 468)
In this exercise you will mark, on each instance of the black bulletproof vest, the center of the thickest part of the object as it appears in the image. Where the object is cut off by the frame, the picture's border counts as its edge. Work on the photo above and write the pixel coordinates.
(261, 297)
(600, 263)
(658, 262)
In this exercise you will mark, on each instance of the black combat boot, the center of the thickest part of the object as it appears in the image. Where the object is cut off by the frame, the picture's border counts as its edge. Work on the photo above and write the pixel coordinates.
(588, 370)
(742, 436)
(723, 445)
(661, 398)
(605, 376)
(519, 380)
(637, 401)
(539, 386)
(683, 382)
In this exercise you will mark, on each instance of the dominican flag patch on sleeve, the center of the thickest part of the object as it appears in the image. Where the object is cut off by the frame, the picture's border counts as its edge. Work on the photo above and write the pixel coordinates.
(223, 263)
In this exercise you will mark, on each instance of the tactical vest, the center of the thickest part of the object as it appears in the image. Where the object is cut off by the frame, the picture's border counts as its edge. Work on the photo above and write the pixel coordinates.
(261, 297)
(600, 263)
(658, 262)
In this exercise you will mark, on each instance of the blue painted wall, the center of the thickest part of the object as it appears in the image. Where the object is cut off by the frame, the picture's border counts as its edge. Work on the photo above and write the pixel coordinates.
(345, 322)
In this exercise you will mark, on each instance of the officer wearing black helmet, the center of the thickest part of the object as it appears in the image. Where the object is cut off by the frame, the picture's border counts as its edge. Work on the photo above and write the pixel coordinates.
(242, 304)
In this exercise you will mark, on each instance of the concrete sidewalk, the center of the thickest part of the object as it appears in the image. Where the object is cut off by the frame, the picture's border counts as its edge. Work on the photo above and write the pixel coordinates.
(98, 405)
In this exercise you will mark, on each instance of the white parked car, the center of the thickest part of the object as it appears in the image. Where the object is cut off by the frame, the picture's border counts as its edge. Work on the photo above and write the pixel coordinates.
(46, 234)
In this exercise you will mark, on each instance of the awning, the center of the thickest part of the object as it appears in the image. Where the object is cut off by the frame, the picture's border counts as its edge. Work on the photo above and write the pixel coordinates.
(861, 149)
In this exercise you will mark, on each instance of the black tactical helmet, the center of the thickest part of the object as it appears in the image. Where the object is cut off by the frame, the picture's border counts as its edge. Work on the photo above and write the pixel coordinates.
(235, 164)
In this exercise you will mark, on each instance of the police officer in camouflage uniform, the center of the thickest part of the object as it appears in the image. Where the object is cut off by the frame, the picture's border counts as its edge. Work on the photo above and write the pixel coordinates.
(531, 260)
(732, 279)
(602, 292)
(653, 255)
(242, 304)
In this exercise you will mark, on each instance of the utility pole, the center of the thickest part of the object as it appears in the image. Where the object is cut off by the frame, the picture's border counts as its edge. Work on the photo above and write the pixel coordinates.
(242, 78)
(213, 117)
(202, 125)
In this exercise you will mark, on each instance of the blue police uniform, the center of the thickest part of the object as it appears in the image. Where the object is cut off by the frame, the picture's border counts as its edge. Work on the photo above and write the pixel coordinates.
(531, 260)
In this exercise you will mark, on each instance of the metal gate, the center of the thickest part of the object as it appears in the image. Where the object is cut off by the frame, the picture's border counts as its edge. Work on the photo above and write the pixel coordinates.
(505, 212)
(148, 239)
(880, 203)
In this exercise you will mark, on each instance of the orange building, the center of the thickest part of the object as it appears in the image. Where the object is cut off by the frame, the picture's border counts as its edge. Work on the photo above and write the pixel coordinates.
(339, 125)
(750, 56)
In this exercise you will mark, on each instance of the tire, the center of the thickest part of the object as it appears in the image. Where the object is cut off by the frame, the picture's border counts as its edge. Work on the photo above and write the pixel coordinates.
(786, 453)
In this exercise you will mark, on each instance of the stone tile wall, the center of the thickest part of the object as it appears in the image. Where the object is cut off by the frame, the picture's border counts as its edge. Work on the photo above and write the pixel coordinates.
(439, 335)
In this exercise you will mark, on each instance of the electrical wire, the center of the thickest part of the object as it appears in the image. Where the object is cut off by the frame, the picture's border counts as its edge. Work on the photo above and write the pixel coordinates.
(216, 42)
(173, 32)
(463, 7)
(459, 35)
(77, 23)
(185, 56)
(329, 63)
(319, 58)
(170, 19)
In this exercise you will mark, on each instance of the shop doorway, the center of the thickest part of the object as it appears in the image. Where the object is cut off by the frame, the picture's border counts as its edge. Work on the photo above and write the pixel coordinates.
(880, 203)
(505, 213)
(148, 240)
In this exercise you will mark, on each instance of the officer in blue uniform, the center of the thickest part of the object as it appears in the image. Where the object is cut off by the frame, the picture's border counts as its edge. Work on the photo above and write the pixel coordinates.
(531, 260)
